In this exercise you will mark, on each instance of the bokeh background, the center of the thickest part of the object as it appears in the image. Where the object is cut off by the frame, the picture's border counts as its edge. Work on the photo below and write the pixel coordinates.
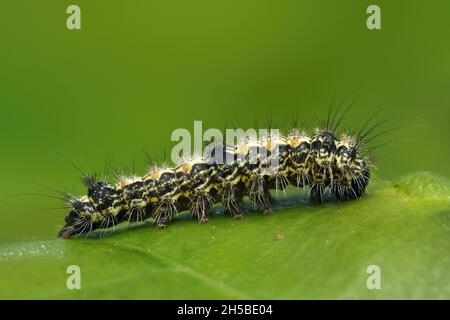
(140, 69)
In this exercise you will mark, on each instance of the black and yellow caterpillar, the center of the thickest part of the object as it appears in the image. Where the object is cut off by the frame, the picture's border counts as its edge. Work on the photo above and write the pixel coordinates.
(319, 161)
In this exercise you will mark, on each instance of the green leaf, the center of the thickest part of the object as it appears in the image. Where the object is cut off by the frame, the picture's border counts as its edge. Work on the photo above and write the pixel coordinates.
(299, 251)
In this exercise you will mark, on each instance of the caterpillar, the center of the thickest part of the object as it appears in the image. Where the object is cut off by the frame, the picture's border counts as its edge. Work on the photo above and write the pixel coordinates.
(321, 161)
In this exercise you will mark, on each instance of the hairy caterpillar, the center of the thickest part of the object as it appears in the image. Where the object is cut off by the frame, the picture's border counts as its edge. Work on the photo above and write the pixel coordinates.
(321, 161)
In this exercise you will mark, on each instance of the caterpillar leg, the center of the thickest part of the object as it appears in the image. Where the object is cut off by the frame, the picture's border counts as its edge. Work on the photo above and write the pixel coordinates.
(164, 213)
(350, 192)
(260, 194)
(232, 200)
(200, 207)
(137, 213)
(162, 221)
(316, 193)
(264, 203)
(236, 209)
(279, 183)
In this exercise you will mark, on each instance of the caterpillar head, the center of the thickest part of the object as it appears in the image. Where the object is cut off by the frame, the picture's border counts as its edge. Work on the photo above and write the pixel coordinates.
(79, 219)
(101, 203)
(323, 148)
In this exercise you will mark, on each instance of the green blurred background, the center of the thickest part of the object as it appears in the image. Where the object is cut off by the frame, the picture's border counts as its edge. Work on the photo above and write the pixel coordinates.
(140, 69)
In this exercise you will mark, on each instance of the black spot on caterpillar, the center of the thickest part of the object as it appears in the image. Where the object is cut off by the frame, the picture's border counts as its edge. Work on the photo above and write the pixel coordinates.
(320, 161)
